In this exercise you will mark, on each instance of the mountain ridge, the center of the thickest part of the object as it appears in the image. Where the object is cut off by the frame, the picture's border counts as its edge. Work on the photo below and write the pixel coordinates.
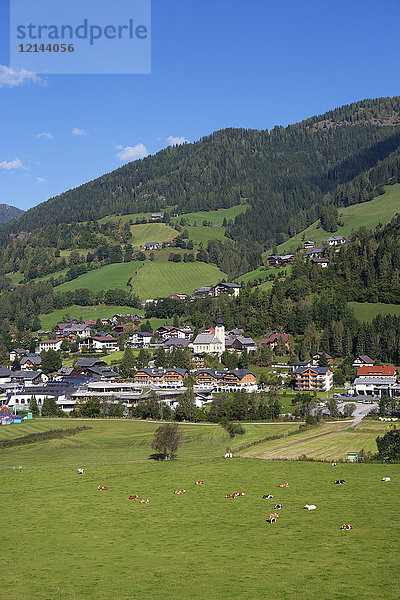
(286, 175)
(8, 212)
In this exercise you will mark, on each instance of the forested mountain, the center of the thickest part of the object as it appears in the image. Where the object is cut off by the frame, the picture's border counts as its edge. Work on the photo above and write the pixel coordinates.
(286, 175)
(8, 212)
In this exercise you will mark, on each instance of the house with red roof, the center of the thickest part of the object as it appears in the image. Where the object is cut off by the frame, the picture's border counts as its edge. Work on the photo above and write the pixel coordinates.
(274, 338)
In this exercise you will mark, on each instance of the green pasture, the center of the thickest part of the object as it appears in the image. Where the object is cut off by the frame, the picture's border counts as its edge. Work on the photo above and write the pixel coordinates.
(367, 311)
(262, 273)
(331, 441)
(368, 214)
(204, 234)
(160, 279)
(215, 217)
(86, 313)
(64, 539)
(152, 232)
(106, 278)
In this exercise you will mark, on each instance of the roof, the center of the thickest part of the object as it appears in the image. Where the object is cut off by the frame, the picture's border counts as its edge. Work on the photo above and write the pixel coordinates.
(239, 373)
(51, 341)
(318, 370)
(328, 356)
(144, 334)
(205, 288)
(228, 285)
(176, 342)
(26, 374)
(90, 362)
(4, 372)
(244, 341)
(275, 337)
(320, 261)
(106, 338)
(161, 372)
(372, 381)
(317, 250)
(151, 244)
(336, 238)
(207, 338)
(104, 371)
(34, 358)
(383, 371)
(364, 358)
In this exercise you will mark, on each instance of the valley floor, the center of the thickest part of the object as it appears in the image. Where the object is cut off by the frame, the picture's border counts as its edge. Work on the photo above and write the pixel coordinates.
(62, 538)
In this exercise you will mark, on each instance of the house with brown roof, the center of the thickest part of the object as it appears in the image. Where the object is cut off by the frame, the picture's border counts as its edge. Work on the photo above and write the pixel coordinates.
(274, 338)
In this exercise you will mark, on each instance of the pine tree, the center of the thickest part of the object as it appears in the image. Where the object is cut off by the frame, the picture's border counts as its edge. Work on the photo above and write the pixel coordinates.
(127, 365)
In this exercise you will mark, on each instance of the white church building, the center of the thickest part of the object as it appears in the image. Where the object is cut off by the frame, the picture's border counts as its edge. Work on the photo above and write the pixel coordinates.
(211, 341)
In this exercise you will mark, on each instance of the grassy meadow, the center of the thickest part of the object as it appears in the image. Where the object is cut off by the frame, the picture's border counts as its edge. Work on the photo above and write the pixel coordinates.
(367, 311)
(152, 232)
(64, 539)
(331, 441)
(108, 277)
(368, 214)
(160, 279)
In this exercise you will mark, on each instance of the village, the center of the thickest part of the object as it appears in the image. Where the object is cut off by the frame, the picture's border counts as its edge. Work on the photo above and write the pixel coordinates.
(81, 353)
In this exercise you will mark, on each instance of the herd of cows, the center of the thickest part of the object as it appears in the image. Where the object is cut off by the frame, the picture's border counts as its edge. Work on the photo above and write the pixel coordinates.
(273, 517)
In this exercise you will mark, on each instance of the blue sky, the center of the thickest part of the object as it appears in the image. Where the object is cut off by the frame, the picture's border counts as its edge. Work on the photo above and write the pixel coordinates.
(215, 64)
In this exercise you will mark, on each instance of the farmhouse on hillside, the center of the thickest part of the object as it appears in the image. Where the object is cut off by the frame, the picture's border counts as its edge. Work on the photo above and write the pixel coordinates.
(151, 246)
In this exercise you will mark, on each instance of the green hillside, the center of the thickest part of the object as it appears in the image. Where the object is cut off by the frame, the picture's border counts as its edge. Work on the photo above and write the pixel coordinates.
(368, 214)
(157, 279)
(261, 273)
(367, 311)
(215, 217)
(106, 278)
(152, 232)
(152, 279)
(204, 234)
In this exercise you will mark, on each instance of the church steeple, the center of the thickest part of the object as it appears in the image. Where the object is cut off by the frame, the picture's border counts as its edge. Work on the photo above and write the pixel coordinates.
(220, 331)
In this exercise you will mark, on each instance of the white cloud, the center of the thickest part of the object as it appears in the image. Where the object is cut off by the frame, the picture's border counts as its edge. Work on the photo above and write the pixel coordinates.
(132, 152)
(39, 180)
(176, 140)
(11, 164)
(11, 78)
(77, 131)
(46, 136)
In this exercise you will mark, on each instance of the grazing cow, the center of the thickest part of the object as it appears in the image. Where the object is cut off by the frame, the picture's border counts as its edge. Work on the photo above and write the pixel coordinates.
(235, 495)
(102, 488)
(199, 482)
(346, 527)
(273, 517)
(81, 471)
(135, 497)
(267, 497)
(179, 491)
(385, 479)
(228, 455)
(310, 506)
(144, 501)
(282, 485)
(334, 465)
(278, 507)
(340, 481)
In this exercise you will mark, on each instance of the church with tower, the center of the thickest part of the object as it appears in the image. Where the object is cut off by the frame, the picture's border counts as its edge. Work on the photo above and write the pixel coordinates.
(211, 341)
